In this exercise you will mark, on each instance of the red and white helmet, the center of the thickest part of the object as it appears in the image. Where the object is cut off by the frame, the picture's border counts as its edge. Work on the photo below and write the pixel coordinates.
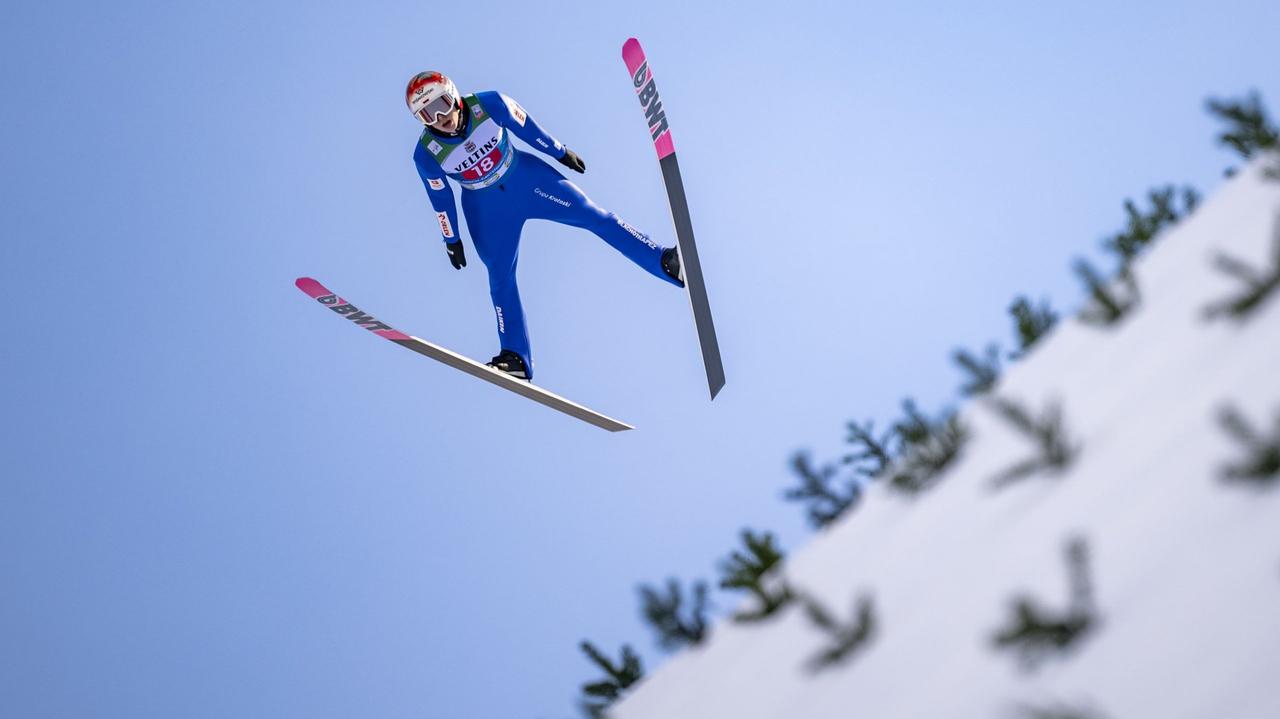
(430, 95)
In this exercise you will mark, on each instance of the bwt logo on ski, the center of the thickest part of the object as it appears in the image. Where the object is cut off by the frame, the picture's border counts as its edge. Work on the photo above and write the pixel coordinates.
(351, 312)
(647, 91)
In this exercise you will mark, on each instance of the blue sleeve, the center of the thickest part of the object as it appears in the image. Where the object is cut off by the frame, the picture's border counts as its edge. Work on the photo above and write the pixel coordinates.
(438, 190)
(509, 114)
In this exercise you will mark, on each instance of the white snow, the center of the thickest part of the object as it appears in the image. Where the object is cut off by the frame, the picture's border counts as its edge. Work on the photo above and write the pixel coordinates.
(1185, 568)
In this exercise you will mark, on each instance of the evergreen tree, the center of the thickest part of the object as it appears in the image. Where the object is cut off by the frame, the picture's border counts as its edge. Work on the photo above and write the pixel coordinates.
(1035, 632)
(1261, 465)
(846, 639)
(1030, 323)
(1259, 285)
(599, 695)
(663, 612)
(927, 447)
(746, 571)
(1106, 308)
(1055, 451)
(981, 373)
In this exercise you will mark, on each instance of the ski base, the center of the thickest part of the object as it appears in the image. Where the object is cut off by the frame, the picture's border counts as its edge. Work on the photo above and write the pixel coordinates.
(692, 269)
(350, 312)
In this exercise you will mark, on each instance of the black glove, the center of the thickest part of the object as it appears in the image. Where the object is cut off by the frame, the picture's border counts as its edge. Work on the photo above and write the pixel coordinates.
(456, 256)
(572, 161)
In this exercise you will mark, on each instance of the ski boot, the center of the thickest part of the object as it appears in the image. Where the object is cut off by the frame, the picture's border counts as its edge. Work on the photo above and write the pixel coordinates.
(511, 363)
(671, 265)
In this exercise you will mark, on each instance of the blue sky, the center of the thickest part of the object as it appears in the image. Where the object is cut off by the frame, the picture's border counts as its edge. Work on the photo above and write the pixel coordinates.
(216, 500)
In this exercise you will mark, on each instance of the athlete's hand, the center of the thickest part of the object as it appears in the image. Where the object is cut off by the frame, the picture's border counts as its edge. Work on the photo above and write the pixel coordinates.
(572, 161)
(456, 256)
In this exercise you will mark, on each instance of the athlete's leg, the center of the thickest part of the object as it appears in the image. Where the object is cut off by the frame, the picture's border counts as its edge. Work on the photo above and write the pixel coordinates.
(557, 199)
(495, 232)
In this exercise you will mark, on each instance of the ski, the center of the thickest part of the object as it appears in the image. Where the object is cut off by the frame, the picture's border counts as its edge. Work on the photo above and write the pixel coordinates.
(353, 314)
(660, 133)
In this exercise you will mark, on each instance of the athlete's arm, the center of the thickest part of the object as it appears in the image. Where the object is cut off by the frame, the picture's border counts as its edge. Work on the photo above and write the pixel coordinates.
(509, 114)
(438, 190)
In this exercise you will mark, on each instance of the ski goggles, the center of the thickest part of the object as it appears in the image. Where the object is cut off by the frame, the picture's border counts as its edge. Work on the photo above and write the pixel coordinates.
(435, 109)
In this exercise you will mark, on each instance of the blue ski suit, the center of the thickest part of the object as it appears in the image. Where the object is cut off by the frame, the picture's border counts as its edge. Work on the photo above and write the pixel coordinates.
(502, 188)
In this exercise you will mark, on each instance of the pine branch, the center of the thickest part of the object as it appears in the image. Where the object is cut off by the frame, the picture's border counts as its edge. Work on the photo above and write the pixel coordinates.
(663, 612)
(981, 373)
(1259, 285)
(846, 639)
(825, 502)
(600, 694)
(872, 455)
(1055, 451)
(915, 427)
(1034, 632)
(1248, 130)
(1142, 228)
(746, 572)
(603, 690)
(1030, 323)
(927, 449)
(1106, 308)
(1261, 464)
(1110, 300)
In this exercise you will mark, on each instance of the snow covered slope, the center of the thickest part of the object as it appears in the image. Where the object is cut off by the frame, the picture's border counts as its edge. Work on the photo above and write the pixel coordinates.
(1185, 567)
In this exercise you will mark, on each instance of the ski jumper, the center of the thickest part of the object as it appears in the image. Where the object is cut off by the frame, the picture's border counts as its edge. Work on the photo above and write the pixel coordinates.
(502, 188)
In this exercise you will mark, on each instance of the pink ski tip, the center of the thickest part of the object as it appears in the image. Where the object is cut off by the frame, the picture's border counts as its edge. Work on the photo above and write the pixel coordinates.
(311, 287)
(632, 54)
